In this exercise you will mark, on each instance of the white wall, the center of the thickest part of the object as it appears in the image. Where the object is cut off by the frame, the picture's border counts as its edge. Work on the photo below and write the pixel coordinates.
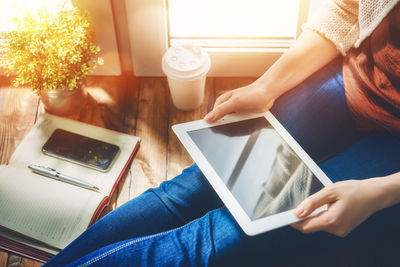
(101, 13)
(121, 27)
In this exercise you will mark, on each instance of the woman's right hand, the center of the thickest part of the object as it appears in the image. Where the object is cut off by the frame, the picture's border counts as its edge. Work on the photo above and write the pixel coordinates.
(250, 98)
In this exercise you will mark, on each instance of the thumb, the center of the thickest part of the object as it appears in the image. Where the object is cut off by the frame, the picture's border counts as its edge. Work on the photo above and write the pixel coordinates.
(322, 197)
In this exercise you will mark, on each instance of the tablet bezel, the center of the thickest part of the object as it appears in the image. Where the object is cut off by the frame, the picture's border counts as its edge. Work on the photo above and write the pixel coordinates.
(263, 224)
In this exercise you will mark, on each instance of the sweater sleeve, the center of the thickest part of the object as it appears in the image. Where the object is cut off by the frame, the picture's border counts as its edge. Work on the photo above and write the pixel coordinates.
(337, 20)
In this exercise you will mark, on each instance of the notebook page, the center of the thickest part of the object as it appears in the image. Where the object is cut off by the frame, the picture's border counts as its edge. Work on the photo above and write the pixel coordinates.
(42, 208)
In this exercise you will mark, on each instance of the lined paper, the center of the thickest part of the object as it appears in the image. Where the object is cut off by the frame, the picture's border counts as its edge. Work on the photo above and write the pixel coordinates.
(42, 208)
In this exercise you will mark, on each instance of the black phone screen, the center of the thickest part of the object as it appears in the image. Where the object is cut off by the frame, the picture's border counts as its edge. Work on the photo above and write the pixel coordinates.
(81, 149)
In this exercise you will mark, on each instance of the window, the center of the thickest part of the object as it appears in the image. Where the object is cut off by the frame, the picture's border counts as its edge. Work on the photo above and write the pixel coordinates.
(242, 37)
(233, 23)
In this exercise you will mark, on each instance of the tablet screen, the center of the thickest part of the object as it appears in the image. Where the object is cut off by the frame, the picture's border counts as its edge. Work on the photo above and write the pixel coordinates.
(260, 169)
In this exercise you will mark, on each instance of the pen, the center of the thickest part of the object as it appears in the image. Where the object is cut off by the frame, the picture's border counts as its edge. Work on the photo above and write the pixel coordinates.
(52, 173)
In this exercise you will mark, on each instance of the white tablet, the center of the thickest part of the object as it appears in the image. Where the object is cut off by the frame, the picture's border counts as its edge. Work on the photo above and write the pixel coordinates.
(255, 166)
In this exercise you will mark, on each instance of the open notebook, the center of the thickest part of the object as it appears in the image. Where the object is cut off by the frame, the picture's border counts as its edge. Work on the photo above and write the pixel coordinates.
(40, 216)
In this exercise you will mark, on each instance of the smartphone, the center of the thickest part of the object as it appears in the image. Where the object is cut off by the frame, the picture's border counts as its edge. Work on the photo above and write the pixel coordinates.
(81, 150)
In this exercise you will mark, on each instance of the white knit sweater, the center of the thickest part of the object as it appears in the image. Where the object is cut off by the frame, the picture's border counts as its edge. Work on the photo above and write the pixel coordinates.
(348, 22)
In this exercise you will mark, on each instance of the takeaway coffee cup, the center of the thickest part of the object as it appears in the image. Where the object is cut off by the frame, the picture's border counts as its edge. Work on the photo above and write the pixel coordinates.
(186, 68)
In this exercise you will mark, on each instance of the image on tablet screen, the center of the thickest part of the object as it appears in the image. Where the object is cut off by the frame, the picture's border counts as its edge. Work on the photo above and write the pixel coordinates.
(260, 169)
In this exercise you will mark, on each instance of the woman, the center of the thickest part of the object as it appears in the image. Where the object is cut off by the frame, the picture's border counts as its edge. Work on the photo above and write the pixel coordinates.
(347, 122)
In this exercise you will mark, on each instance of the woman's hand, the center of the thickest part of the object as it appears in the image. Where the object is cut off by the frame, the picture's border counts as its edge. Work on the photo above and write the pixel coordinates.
(308, 54)
(251, 98)
(349, 204)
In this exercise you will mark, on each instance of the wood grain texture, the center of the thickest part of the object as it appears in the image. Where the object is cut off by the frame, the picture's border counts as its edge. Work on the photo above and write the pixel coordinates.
(13, 125)
(178, 158)
(3, 258)
(150, 165)
(131, 101)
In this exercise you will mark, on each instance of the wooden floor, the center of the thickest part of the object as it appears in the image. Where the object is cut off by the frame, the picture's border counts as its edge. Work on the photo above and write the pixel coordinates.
(138, 106)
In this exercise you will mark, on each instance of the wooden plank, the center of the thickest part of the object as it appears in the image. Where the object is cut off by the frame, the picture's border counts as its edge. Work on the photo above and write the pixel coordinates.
(3, 258)
(130, 116)
(178, 158)
(18, 108)
(103, 103)
(105, 107)
(149, 167)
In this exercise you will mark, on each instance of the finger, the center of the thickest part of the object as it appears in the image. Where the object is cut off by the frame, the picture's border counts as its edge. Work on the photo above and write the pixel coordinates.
(322, 197)
(313, 224)
(331, 221)
(223, 98)
(210, 117)
(221, 110)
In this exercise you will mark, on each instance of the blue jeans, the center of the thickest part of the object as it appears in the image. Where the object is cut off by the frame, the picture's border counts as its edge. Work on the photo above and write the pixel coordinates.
(184, 223)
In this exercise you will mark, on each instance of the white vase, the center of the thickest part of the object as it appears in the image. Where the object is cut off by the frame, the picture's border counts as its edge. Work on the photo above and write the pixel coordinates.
(64, 101)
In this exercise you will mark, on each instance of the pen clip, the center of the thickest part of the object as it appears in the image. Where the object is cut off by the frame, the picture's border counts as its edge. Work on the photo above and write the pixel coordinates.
(46, 171)
(50, 169)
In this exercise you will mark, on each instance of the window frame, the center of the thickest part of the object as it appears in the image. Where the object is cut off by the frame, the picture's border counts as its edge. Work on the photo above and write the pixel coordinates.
(149, 38)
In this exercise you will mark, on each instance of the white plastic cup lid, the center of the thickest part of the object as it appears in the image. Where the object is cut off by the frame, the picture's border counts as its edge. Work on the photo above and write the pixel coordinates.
(185, 62)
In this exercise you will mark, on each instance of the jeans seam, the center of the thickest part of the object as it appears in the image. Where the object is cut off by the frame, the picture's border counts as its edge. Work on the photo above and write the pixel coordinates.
(108, 253)
(212, 240)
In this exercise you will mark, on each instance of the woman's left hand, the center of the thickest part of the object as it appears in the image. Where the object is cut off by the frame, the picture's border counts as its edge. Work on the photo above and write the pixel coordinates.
(349, 204)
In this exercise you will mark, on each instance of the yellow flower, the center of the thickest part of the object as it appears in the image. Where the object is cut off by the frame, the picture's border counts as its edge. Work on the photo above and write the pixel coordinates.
(49, 51)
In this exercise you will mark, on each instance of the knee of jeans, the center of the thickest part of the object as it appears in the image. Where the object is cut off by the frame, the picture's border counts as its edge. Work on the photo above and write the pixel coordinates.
(188, 195)
(190, 181)
(188, 185)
